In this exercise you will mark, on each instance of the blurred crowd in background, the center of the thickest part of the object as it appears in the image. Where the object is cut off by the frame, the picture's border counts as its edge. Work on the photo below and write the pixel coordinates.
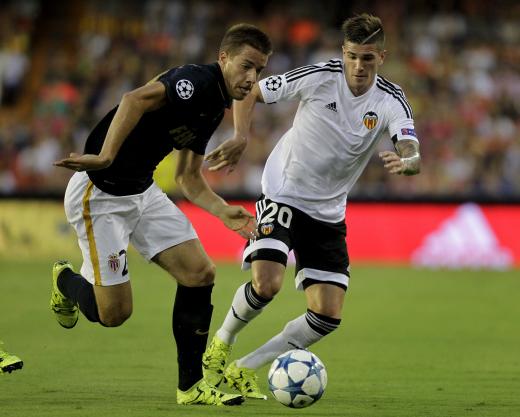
(63, 65)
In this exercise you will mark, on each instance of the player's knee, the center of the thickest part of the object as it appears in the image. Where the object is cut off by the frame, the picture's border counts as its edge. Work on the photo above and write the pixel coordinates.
(114, 317)
(202, 276)
(268, 279)
(326, 300)
(266, 288)
(325, 310)
(209, 274)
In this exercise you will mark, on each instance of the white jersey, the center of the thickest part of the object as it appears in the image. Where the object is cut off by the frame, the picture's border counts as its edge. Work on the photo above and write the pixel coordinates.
(318, 160)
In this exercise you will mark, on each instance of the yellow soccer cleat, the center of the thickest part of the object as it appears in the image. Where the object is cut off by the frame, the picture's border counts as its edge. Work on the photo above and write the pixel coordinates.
(214, 361)
(65, 311)
(244, 380)
(204, 394)
(8, 362)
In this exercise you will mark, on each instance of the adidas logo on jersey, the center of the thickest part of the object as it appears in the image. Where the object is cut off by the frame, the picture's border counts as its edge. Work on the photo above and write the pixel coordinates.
(332, 106)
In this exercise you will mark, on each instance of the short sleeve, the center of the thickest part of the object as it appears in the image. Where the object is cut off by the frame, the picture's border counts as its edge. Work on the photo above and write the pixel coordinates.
(401, 124)
(184, 86)
(297, 84)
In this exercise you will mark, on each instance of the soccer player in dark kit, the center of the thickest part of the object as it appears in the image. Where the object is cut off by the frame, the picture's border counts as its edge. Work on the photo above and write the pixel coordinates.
(112, 200)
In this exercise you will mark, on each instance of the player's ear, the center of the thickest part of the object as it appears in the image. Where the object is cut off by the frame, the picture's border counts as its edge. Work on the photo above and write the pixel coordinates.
(223, 57)
(382, 57)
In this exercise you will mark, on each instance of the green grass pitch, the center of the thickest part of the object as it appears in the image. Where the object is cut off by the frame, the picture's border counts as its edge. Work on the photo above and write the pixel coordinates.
(414, 343)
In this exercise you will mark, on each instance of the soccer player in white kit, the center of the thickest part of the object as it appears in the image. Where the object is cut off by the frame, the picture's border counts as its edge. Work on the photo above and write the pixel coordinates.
(344, 109)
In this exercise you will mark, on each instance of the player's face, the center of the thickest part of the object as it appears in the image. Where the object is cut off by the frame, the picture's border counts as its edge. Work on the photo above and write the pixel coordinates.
(241, 70)
(361, 65)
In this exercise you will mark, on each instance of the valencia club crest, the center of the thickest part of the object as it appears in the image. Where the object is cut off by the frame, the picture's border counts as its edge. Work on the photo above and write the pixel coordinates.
(370, 120)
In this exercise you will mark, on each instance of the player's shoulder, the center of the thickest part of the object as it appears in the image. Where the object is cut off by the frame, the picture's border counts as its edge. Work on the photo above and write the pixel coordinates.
(194, 73)
(190, 79)
(316, 72)
(392, 95)
(387, 87)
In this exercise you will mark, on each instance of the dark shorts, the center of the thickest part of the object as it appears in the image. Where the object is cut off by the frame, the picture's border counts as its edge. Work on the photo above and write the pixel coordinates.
(319, 247)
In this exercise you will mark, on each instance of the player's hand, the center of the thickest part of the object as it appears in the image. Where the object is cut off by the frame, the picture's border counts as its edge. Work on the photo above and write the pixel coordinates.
(86, 162)
(227, 154)
(238, 219)
(392, 162)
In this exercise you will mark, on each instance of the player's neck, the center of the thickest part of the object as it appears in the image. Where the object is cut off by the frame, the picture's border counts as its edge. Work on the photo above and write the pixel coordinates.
(359, 91)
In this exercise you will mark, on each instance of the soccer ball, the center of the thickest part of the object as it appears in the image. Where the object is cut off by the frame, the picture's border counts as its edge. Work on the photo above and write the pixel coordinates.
(297, 378)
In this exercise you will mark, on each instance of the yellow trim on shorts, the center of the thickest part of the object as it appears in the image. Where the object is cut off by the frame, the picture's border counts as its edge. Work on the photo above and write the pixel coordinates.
(90, 234)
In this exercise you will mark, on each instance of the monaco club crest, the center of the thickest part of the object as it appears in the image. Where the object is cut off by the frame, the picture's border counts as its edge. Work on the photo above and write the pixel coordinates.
(113, 262)
(370, 120)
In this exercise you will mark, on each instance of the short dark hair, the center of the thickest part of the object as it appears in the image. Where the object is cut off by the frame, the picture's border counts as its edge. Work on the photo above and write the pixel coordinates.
(245, 34)
(363, 29)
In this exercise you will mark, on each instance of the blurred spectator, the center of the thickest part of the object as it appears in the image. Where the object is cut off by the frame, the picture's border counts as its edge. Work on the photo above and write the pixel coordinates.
(16, 23)
(458, 61)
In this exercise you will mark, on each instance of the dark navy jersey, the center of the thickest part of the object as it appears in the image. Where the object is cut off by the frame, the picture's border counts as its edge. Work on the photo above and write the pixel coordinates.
(196, 101)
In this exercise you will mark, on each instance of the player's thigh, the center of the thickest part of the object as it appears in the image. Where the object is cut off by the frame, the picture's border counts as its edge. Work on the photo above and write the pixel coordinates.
(188, 263)
(273, 242)
(321, 252)
(162, 225)
(103, 224)
(326, 299)
(267, 254)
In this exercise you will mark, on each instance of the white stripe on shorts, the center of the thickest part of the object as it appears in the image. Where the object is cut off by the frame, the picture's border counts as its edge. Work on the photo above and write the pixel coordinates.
(319, 275)
(263, 244)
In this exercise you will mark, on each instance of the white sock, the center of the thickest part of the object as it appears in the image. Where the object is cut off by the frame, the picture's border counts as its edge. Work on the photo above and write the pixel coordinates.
(296, 333)
(245, 307)
(301, 333)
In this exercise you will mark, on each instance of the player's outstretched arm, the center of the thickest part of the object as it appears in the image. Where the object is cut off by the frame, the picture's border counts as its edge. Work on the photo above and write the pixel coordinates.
(228, 153)
(194, 186)
(131, 108)
(407, 160)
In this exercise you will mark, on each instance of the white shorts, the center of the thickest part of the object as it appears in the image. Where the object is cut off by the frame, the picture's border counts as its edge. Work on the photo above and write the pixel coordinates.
(105, 224)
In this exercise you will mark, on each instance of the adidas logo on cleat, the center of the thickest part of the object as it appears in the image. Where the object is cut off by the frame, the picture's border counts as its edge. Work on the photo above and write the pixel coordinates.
(332, 106)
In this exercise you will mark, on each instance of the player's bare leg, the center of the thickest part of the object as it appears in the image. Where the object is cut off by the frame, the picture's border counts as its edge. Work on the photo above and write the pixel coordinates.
(108, 305)
(325, 299)
(114, 303)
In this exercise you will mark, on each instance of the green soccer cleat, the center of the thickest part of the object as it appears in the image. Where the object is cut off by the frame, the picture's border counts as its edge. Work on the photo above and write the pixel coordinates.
(203, 393)
(244, 380)
(65, 311)
(214, 361)
(8, 362)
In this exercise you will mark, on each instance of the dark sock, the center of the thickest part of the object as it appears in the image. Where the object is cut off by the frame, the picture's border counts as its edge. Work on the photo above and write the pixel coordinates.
(78, 289)
(190, 323)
